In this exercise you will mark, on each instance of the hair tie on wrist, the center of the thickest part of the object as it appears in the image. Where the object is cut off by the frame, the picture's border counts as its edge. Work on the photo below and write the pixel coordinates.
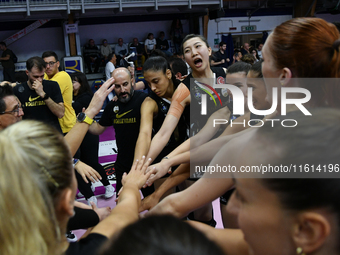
(336, 45)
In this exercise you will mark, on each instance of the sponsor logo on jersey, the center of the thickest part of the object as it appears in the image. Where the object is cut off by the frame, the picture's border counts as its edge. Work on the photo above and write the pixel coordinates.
(118, 116)
(33, 99)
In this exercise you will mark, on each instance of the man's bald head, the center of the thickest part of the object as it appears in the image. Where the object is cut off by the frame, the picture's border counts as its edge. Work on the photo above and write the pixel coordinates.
(121, 71)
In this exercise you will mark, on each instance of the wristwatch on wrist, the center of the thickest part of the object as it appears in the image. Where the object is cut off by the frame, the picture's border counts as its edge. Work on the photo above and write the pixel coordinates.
(83, 118)
(45, 97)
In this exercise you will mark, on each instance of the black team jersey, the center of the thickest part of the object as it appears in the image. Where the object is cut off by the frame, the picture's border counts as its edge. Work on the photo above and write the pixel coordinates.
(197, 121)
(125, 118)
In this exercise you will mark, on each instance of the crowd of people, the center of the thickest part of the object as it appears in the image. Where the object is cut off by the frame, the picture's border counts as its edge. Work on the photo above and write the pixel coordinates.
(95, 56)
(183, 123)
(247, 54)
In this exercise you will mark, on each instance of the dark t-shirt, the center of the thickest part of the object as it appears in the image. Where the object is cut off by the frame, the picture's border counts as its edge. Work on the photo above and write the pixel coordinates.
(219, 56)
(244, 52)
(197, 121)
(7, 63)
(162, 44)
(87, 246)
(125, 118)
(140, 48)
(81, 101)
(36, 108)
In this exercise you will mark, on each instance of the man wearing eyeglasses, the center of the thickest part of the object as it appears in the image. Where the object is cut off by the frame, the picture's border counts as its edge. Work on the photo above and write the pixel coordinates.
(10, 106)
(41, 99)
(65, 84)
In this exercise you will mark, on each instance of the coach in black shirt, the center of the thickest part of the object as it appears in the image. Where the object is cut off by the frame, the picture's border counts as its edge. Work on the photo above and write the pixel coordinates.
(124, 115)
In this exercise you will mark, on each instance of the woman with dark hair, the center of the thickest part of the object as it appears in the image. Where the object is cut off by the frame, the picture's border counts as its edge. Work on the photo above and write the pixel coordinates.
(253, 51)
(154, 109)
(82, 95)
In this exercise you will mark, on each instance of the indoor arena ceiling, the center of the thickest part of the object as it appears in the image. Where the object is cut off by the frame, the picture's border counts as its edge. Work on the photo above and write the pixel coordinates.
(21, 10)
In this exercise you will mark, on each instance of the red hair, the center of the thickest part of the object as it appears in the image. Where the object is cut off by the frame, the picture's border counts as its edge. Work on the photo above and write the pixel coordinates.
(305, 46)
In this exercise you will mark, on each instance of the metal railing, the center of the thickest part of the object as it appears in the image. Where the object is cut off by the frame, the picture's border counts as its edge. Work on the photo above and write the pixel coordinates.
(16, 3)
(17, 6)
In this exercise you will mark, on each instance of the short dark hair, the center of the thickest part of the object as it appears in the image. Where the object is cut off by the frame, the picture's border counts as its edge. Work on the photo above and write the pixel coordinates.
(222, 43)
(110, 56)
(178, 66)
(3, 44)
(5, 91)
(47, 54)
(162, 234)
(37, 62)
(239, 67)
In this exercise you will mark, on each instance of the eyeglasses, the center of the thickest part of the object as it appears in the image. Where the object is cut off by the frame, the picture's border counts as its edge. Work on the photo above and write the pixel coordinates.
(50, 63)
(14, 112)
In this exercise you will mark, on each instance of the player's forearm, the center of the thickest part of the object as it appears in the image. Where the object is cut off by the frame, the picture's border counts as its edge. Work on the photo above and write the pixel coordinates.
(76, 135)
(157, 145)
(181, 174)
(179, 159)
(96, 128)
(208, 150)
(125, 213)
(57, 109)
(183, 147)
(142, 146)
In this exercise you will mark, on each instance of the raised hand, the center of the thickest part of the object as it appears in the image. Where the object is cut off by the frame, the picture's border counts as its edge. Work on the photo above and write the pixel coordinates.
(87, 172)
(158, 171)
(99, 98)
(38, 87)
(137, 175)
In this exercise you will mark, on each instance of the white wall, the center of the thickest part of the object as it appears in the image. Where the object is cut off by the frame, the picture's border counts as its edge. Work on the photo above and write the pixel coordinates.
(266, 23)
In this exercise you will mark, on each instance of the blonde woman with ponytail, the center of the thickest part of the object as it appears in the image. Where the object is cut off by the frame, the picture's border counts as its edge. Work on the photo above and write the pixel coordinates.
(28, 225)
